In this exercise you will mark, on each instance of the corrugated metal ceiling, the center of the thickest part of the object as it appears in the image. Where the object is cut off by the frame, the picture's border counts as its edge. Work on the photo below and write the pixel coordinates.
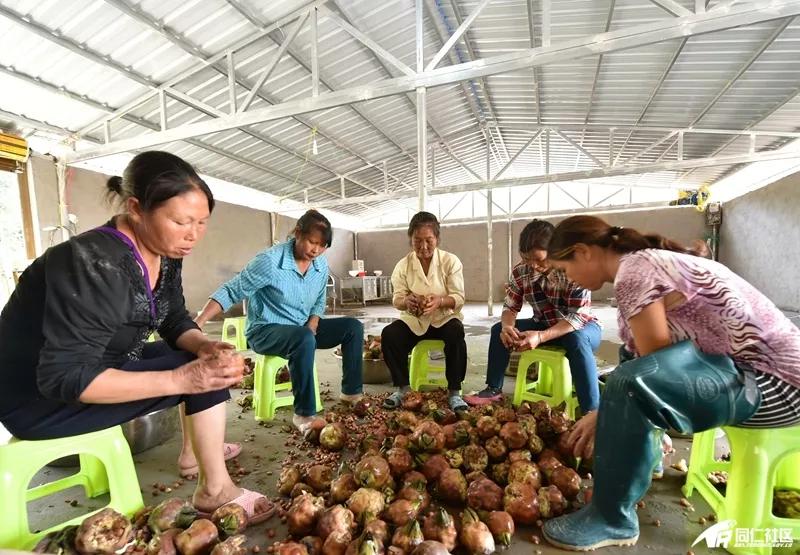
(70, 64)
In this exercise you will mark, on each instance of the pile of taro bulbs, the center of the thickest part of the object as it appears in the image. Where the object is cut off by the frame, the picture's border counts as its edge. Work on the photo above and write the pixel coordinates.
(170, 528)
(428, 481)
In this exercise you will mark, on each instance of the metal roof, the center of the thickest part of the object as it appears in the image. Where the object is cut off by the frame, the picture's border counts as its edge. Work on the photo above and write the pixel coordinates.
(608, 100)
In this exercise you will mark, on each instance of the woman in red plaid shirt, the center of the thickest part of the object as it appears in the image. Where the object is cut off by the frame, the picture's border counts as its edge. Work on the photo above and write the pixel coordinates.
(562, 317)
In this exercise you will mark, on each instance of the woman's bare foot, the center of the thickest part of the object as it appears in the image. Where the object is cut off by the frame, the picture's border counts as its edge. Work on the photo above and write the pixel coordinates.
(187, 463)
(207, 502)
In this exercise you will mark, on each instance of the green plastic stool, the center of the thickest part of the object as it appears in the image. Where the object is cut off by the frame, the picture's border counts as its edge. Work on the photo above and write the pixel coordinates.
(237, 338)
(554, 382)
(265, 391)
(106, 466)
(151, 338)
(761, 460)
(420, 370)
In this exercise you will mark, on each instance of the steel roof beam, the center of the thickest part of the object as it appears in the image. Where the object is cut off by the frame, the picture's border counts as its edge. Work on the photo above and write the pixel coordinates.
(597, 67)
(674, 165)
(671, 7)
(189, 48)
(750, 61)
(652, 97)
(481, 80)
(463, 26)
(627, 38)
(472, 100)
(409, 96)
(536, 81)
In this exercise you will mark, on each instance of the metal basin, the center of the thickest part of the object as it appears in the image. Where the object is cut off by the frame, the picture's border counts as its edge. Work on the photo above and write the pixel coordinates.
(142, 433)
(376, 372)
(145, 432)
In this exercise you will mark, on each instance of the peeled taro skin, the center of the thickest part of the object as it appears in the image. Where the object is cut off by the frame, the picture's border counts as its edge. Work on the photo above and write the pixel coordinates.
(163, 543)
(313, 545)
(567, 480)
(401, 511)
(303, 514)
(452, 486)
(342, 488)
(171, 513)
(197, 539)
(234, 545)
(551, 502)
(336, 543)
(496, 448)
(319, 477)
(501, 525)
(231, 519)
(61, 542)
(514, 435)
(288, 478)
(485, 495)
(400, 461)
(372, 472)
(433, 466)
(333, 519)
(521, 502)
(439, 526)
(104, 532)
(525, 472)
(475, 458)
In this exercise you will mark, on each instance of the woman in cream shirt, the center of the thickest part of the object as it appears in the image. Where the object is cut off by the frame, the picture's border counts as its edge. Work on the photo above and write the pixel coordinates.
(429, 291)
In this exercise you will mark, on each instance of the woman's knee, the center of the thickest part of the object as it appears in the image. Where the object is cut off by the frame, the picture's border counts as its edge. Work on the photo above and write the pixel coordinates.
(198, 402)
(394, 332)
(353, 326)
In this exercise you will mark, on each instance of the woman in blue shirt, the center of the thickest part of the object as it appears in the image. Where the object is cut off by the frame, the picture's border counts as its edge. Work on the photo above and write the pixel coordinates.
(285, 291)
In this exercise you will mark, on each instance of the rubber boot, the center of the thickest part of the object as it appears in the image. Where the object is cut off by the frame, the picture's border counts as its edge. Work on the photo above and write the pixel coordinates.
(677, 387)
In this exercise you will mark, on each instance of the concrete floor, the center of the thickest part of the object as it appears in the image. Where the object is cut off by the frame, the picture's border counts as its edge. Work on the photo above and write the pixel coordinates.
(266, 446)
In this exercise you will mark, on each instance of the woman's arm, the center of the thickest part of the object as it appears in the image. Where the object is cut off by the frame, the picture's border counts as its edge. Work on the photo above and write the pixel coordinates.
(650, 329)
(118, 386)
(211, 310)
(201, 375)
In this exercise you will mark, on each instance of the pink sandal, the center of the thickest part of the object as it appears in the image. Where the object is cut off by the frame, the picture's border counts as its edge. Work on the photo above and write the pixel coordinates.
(247, 500)
(230, 450)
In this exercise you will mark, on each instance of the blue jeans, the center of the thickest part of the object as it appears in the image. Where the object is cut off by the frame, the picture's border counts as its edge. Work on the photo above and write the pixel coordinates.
(297, 344)
(580, 346)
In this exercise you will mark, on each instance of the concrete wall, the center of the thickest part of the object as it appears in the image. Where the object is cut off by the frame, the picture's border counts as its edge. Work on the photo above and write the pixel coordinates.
(382, 249)
(235, 233)
(760, 240)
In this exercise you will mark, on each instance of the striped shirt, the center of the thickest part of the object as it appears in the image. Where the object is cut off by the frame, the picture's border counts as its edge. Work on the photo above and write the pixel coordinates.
(276, 291)
(551, 294)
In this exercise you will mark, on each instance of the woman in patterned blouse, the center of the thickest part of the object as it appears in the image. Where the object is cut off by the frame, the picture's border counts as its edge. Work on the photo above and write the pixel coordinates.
(711, 351)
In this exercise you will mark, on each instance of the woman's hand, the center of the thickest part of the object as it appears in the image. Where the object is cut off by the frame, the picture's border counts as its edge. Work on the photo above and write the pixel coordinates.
(528, 340)
(581, 438)
(432, 303)
(212, 348)
(413, 304)
(220, 371)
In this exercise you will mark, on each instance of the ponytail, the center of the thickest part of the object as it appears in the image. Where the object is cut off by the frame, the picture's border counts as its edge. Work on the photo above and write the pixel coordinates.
(590, 230)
